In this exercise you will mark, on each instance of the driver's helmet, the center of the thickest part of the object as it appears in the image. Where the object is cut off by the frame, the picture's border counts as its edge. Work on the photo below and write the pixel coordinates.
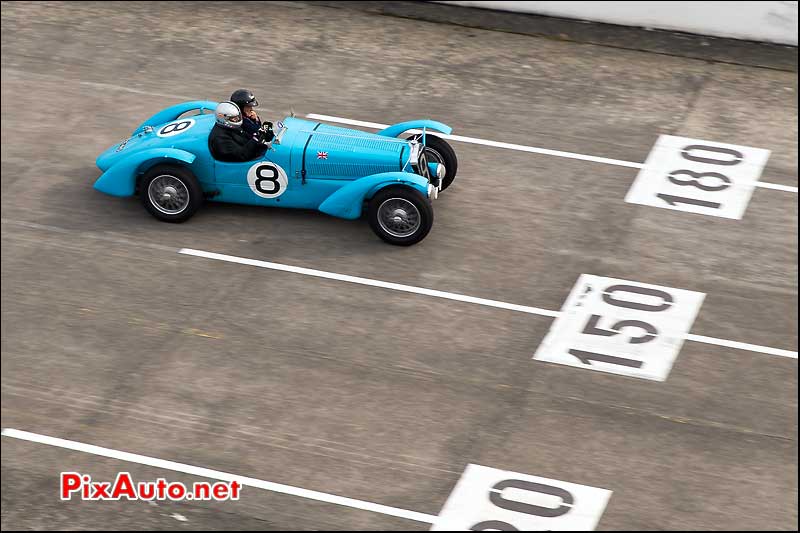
(243, 97)
(229, 115)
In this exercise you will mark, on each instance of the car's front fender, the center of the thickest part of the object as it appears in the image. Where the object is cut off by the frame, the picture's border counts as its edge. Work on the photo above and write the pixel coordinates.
(348, 201)
(120, 179)
(396, 129)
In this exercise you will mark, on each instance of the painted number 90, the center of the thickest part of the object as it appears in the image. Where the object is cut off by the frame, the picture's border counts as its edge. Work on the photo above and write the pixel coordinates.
(490, 499)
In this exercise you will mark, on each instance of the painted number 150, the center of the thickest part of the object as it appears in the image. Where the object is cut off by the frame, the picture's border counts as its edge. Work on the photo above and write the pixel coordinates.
(648, 331)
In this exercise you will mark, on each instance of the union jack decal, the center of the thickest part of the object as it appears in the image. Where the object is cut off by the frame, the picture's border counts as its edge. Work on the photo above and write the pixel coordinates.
(322, 155)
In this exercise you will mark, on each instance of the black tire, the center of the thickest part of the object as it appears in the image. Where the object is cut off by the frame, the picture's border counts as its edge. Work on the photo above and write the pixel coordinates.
(187, 193)
(439, 151)
(402, 197)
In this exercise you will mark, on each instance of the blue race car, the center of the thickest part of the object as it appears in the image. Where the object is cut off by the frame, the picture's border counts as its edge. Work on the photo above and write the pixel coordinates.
(339, 171)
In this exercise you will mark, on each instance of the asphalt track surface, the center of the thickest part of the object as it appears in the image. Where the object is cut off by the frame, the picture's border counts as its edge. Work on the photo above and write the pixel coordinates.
(111, 337)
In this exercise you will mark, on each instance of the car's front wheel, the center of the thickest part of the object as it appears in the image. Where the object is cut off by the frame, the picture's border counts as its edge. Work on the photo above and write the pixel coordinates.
(400, 215)
(437, 150)
(170, 193)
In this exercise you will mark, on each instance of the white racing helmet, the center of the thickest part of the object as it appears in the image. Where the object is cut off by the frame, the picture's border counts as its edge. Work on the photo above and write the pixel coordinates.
(228, 114)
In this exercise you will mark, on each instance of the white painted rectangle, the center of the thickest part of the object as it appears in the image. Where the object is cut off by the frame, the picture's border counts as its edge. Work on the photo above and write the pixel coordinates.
(704, 177)
(487, 499)
(622, 327)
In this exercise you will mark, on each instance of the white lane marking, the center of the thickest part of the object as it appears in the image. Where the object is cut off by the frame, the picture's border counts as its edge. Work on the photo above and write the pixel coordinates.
(481, 301)
(450, 296)
(776, 186)
(741, 346)
(215, 474)
(20, 72)
(371, 282)
(496, 144)
(136, 91)
(329, 118)
(106, 236)
(523, 148)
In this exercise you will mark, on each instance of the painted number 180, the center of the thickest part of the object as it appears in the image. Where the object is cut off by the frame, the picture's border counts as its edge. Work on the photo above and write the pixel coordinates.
(703, 177)
(700, 179)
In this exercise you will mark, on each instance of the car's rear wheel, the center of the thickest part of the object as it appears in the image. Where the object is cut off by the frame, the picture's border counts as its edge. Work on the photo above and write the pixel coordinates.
(438, 150)
(400, 215)
(170, 193)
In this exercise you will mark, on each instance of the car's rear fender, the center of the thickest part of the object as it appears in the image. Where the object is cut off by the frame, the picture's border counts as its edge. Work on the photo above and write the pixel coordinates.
(348, 201)
(397, 129)
(171, 113)
(120, 179)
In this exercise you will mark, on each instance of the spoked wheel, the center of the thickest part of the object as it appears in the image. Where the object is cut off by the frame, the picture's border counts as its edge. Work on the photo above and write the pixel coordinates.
(170, 193)
(400, 215)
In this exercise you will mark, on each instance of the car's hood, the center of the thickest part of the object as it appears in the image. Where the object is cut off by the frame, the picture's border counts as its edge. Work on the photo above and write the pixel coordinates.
(324, 137)
(335, 152)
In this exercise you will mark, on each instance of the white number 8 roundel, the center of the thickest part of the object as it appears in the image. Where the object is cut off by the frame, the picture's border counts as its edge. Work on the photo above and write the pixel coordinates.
(175, 128)
(267, 180)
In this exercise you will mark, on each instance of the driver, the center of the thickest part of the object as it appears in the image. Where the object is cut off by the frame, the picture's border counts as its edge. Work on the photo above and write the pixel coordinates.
(251, 122)
(229, 142)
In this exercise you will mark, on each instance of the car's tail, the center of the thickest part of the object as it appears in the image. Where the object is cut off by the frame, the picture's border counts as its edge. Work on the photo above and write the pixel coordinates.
(171, 113)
